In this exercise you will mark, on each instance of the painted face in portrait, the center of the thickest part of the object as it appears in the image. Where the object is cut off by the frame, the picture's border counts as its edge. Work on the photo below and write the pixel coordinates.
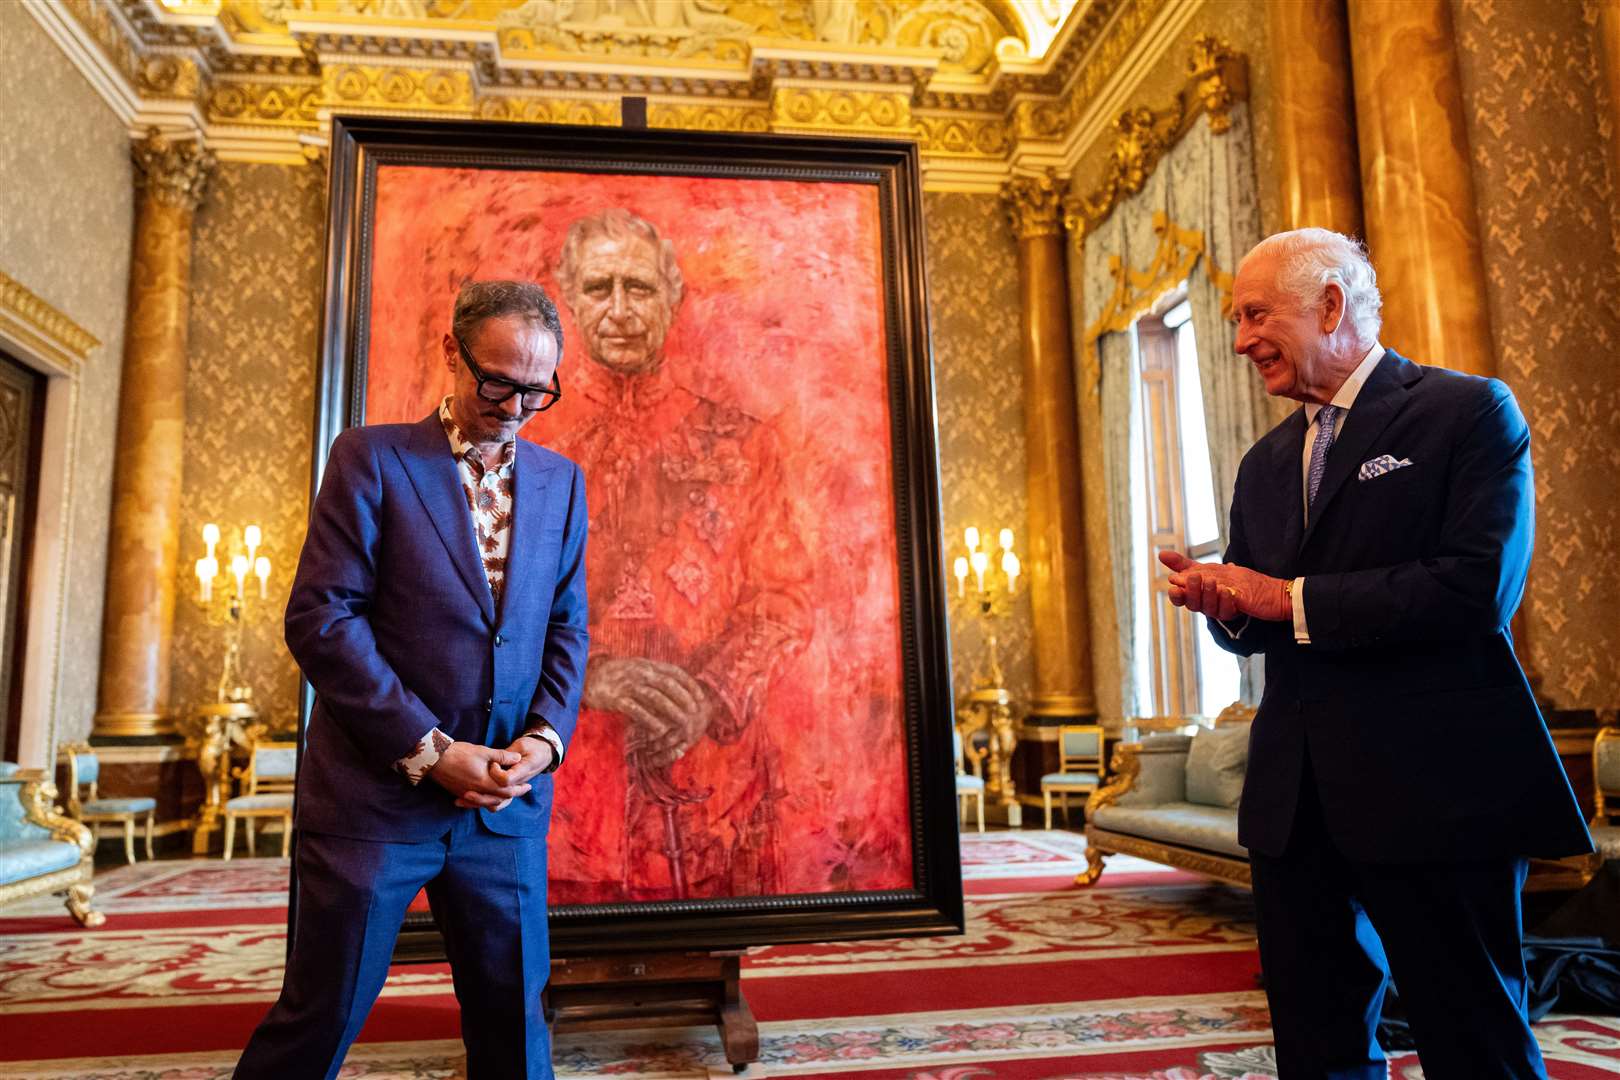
(1289, 344)
(511, 349)
(621, 302)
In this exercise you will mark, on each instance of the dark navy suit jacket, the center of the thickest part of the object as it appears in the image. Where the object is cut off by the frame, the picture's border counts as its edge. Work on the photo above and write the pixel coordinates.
(1420, 729)
(393, 623)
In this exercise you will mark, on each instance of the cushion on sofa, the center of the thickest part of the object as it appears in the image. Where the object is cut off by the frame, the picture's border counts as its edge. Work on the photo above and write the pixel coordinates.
(1207, 828)
(1215, 765)
(31, 858)
(1606, 838)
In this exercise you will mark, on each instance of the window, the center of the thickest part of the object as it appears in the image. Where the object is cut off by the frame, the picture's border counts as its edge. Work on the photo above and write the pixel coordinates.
(1184, 671)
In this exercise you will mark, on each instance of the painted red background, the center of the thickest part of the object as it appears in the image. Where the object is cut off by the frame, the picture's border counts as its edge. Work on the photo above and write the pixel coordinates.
(783, 318)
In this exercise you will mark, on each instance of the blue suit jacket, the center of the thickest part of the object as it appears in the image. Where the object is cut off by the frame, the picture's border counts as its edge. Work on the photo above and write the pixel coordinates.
(393, 623)
(1420, 729)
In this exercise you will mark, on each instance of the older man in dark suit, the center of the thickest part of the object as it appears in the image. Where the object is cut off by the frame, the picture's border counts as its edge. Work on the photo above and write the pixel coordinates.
(439, 612)
(1400, 773)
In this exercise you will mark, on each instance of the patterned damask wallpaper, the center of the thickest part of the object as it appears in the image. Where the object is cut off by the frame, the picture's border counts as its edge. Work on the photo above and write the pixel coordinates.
(979, 388)
(1538, 115)
(255, 315)
(65, 231)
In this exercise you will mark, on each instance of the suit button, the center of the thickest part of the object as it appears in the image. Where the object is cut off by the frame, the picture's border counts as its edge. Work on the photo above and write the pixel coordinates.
(499, 641)
(489, 703)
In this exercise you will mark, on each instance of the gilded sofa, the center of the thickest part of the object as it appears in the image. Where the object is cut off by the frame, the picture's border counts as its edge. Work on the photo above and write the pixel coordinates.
(42, 850)
(1173, 799)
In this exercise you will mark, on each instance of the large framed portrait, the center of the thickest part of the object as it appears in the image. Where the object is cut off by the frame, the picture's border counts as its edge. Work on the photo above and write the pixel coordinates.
(747, 387)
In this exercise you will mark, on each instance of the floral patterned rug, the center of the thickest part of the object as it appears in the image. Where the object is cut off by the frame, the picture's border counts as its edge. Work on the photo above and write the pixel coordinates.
(1150, 976)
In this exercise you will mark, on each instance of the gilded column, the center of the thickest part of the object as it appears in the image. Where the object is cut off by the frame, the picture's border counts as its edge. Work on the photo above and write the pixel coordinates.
(1313, 108)
(1417, 184)
(143, 548)
(1608, 32)
(1057, 571)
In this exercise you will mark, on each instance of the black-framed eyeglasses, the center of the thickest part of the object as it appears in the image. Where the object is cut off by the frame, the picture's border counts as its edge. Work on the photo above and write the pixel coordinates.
(495, 391)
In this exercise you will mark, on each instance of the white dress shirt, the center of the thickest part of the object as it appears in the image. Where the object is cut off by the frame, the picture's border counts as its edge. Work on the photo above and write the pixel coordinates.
(1344, 399)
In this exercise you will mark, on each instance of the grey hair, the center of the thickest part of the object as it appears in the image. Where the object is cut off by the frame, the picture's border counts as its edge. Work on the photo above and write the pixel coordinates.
(1311, 259)
(621, 224)
(481, 300)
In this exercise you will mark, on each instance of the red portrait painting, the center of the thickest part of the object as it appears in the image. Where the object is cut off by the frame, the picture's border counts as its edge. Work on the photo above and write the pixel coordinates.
(725, 390)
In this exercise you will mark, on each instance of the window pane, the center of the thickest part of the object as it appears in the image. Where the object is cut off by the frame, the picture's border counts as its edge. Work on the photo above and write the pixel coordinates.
(1219, 680)
(1203, 524)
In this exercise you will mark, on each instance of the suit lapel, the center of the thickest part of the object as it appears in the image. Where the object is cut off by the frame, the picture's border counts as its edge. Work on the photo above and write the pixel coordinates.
(1291, 482)
(437, 482)
(532, 480)
(1381, 398)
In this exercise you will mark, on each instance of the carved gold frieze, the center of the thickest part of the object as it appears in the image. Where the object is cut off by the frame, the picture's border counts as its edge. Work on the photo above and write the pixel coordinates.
(1217, 79)
(709, 117)
(527, 110)
(348, 86)
(1034, 205)
(265, 104)
(175, 172)
(36, 323)
(796, 108)
(962, 136)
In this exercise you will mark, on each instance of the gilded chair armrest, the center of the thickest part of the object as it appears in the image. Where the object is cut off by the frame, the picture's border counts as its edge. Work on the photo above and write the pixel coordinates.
(1145, 773)
(39, 807)
(1124, 767)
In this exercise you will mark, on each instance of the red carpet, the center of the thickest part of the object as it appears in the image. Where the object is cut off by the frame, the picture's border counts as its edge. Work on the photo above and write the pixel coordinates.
(1149, 976)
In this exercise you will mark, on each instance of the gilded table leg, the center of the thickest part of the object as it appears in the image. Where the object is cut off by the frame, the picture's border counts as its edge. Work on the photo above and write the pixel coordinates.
(78, 905)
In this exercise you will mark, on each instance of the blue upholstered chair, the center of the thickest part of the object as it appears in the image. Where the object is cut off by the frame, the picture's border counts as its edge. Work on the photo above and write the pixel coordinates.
(43, 850)
(84, 770)
(967, 787)
(1606, 783)
(267, 792)
(1080, 767)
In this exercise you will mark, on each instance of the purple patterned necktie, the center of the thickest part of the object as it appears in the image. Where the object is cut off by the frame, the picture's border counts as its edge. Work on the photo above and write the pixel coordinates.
(1325, 422)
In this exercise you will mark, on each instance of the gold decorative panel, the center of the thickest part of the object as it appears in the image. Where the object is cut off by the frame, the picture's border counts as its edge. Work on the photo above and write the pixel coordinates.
(979, 373)
(1537, 118)
(65, 237)
(255, 316)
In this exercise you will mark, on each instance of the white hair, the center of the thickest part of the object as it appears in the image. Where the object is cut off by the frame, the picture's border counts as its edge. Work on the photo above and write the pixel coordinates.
(1309, 260)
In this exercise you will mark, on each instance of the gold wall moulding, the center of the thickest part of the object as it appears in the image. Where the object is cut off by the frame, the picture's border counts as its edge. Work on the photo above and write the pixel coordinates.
(877, 112)
(41, 328)
(529, 110)
(380, 86)
(1135, 290)
(1217, 78)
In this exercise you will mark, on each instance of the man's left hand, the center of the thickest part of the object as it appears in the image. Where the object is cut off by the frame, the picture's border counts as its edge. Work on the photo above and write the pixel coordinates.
(1224, 591)
(536, 755)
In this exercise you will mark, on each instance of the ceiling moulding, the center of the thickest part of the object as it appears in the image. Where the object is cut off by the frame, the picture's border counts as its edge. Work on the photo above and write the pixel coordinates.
(985, 87)
(41, 330)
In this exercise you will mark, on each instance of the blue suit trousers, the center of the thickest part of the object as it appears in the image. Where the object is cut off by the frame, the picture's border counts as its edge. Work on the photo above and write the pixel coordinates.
(488, 894)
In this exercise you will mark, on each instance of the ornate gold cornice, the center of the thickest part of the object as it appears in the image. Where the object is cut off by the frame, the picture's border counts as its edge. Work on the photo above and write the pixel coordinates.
(34, 323)
(1034, 205)
(173, 172)
(971, 81)
(1217, 79)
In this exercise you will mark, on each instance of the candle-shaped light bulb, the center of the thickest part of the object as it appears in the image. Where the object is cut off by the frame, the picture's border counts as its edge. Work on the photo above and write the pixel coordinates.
(251, 536)
(961, 569)
(981, 562)
(261, 567)
(210, 537)
(204, 578)
(239, 570)
(1009, 563)
(972, 538)
(1006, 539)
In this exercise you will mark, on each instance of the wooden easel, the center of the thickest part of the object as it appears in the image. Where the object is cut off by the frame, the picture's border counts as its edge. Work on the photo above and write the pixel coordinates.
(665, 989)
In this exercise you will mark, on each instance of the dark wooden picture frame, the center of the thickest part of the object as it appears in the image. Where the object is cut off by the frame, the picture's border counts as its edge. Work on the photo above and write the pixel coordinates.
(933, 904)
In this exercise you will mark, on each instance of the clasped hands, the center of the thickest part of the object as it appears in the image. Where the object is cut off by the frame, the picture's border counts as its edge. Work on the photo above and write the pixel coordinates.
(1224, 591)
(485, 778)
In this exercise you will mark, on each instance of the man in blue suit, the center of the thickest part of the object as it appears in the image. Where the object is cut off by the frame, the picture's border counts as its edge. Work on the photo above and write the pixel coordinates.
(439, 613)
(1400, 772)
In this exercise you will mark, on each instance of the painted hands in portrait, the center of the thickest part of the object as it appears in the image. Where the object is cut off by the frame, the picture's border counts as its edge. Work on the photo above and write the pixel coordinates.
(668, 710)
(1224, 591)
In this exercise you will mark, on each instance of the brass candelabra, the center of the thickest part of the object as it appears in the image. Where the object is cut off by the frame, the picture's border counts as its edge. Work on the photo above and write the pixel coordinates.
(988, 706)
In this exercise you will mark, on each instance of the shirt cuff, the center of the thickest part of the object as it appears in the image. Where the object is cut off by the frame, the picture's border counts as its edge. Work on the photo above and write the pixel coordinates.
(545, 731)
(1302, 633)
(420, 761)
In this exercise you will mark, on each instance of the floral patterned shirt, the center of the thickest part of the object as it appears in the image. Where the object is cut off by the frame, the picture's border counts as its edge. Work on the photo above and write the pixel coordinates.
(489, 494)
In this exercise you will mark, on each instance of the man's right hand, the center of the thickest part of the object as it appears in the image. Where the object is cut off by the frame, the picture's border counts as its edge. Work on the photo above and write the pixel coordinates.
(666, 707)
(463, 771)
